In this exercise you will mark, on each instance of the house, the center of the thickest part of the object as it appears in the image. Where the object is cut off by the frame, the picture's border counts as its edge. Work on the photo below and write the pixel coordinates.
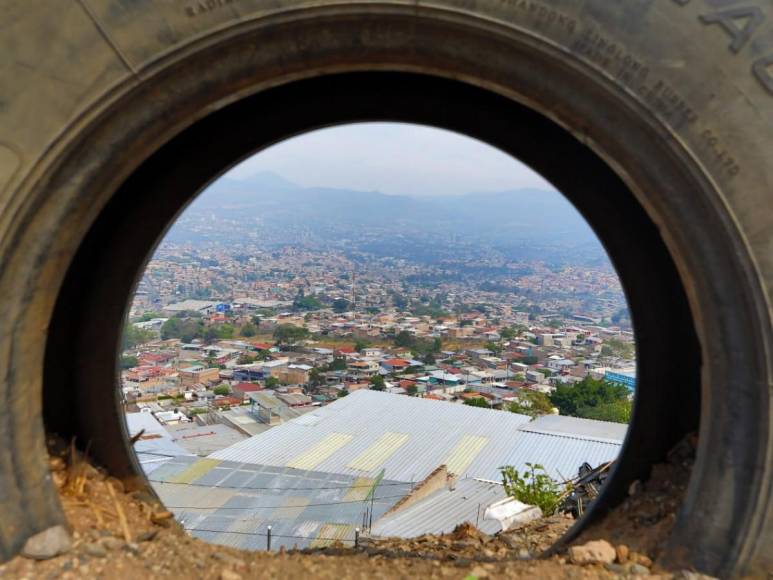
(241, 389)
(197, 374)
(393, 365)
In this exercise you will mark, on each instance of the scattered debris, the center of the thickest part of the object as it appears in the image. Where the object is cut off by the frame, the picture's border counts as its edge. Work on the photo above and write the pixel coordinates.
(583, 489)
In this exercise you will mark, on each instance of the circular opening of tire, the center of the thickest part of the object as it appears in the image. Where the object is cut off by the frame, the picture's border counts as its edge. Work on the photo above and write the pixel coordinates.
(654, 119)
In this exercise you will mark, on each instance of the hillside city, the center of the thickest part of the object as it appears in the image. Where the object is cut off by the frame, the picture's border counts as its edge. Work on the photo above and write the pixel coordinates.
(303, 367)
(208, 327)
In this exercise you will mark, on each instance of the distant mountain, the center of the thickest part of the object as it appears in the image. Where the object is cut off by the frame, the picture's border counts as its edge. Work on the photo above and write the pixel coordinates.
(514, 222)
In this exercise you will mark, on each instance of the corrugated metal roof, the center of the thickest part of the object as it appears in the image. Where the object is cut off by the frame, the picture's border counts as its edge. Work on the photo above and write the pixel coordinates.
(442, 511)
(560, 455)
(473, 442)
(434, 430)
(156, 446)
(576, 427)
(233, 503)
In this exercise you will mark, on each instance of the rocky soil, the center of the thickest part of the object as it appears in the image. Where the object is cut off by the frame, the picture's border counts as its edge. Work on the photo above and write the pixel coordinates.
(115, 534)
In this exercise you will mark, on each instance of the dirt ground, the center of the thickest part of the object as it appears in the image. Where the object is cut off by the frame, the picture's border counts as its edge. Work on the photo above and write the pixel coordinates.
(120, 535)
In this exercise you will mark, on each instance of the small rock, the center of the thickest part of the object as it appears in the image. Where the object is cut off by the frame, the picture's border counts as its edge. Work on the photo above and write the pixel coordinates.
(638, 570)
(159, 517)
(622, 553)
(47, 544)
(635, 488)
(478, 572)
(112, 543)
(595, 552)
(230, 575)
(228, 559)
(524, 554)
(690, 575)
(615, 568)
(637, 558)
(95, 550)
(147, 536)
(509, 541)
(132, 548)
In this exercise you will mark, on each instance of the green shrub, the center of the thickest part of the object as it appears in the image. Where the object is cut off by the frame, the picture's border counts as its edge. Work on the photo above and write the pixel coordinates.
(533, 486)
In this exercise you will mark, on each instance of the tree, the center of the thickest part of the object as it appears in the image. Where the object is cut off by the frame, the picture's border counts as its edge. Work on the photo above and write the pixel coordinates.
(248, 330)
(129, 362)
(132, 336)
(302, 302)
(578, 400)
(337, 364)
(289, 334)
(340, 305)
(405, 339)
(616, 347)
(150, 315)
(185, 329)
(377, 383)
(617, 411)
(272, 382)
(315, 378)
(222, 389)
(477, 402)
(531, 403)
(360, 345)
(507, 333)
(493, 347)
(245, 359)
(264, 354)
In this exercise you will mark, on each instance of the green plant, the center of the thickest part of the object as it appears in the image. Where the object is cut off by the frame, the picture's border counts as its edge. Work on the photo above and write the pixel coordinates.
(533, 486)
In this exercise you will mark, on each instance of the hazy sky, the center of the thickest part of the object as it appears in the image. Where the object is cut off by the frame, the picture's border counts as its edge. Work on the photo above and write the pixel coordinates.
(392, 158)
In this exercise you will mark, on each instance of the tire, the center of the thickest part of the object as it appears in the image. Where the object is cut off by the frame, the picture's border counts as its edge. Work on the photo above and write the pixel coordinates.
(655, 119)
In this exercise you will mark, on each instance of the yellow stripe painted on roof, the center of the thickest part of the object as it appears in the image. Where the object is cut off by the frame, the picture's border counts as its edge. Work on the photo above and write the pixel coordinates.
(195, 471)
(330, 533)
(291, 508)
(310, 458)
(464, 453)
(378, 452)
(359, 489)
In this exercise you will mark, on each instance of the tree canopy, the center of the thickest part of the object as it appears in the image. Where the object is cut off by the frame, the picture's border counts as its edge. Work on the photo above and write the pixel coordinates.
(531, 403)
(377, 383)
(592, 399)
(289, 334)
(477, 402)
(132, 336)
(248, 330)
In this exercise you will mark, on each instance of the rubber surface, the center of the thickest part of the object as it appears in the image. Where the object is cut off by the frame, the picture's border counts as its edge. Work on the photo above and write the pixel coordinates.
(654, 118)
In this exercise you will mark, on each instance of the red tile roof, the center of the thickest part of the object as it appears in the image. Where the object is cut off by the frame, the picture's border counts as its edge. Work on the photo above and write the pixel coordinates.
(247, 387)
(397, 362)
